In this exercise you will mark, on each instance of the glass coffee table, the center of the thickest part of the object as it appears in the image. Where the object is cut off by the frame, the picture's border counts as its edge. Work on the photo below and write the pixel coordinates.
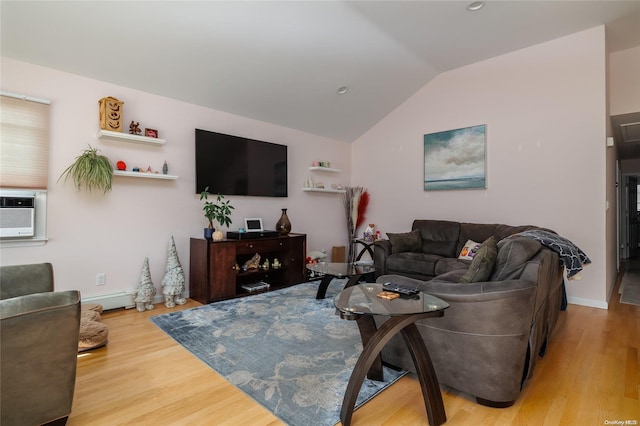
(361, 303)
(329, 271)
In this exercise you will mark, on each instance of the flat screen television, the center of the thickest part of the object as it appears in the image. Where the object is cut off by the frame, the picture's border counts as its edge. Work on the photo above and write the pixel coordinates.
(233, 165)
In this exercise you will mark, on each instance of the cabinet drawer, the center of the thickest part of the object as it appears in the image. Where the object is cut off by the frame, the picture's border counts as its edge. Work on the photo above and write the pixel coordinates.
(262, 246)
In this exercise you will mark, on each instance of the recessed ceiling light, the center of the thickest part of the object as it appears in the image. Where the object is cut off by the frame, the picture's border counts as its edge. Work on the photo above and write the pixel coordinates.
(476, 5)
(342, 90)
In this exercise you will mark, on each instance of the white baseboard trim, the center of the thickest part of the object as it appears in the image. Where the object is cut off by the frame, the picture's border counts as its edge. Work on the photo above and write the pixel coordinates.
(588, 302)
(112, 301)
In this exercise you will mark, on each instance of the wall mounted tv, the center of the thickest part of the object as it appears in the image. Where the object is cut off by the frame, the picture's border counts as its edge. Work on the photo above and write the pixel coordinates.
(233, 165)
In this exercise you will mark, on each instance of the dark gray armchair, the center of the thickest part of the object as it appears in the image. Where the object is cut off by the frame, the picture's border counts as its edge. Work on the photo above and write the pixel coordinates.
(38, 347)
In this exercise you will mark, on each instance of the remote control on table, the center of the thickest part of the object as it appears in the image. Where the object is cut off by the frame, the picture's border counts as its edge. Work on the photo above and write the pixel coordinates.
(399, 288)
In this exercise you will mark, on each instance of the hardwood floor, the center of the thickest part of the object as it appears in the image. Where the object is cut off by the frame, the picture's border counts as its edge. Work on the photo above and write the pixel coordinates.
(590, 376)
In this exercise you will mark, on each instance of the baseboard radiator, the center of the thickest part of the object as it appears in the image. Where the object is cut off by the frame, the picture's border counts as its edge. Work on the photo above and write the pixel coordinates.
(112, 301)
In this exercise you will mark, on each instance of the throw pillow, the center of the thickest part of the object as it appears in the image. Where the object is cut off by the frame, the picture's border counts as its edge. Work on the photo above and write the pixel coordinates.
(482, 263)
(408, 241)
(469, 250)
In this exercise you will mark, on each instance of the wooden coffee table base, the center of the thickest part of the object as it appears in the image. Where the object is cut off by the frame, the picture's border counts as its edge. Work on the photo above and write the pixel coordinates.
(374, 340)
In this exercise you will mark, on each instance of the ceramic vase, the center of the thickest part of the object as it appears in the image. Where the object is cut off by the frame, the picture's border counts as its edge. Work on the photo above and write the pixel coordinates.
(208, 233)
(283, 226)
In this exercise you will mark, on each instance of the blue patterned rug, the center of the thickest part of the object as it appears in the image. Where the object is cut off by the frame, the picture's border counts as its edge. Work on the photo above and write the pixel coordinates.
(288, 351)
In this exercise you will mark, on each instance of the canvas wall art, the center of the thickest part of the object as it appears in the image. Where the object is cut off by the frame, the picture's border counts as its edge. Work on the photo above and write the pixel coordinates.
(455, 159)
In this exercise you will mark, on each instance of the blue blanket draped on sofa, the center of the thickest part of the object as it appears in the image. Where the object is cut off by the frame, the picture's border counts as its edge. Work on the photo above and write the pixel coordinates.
(571, 256)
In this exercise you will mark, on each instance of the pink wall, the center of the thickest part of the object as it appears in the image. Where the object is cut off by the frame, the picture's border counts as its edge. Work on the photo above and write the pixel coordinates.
(545, 111)
(113, 233)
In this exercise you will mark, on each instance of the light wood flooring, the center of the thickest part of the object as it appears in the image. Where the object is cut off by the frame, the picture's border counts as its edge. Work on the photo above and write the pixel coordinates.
(590, 376)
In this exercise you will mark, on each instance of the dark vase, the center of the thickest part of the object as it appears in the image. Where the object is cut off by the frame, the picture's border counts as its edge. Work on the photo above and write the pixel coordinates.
(283, 226)
(208, 233)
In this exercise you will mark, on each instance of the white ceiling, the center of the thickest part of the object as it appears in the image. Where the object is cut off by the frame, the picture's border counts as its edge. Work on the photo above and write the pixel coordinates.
(282, 62)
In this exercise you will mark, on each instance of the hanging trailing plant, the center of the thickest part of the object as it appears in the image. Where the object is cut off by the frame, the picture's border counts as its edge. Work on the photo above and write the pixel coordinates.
(91, 170)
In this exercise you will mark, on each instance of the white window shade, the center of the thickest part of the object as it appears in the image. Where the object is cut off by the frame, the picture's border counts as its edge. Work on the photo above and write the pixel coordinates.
(24, 143)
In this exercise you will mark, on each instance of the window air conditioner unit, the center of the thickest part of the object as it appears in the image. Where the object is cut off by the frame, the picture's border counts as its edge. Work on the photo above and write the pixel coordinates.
(17, 216)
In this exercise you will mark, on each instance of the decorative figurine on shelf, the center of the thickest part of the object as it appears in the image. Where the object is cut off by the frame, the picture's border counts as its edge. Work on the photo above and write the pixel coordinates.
(145, 291)
(121, 165)
(134, 128)
(309, 183)
(165, 168)
(173, 281)
(369, 232)
(265, 265)
(110, 114)
(276, 264)
(149, 169)
(253, 263)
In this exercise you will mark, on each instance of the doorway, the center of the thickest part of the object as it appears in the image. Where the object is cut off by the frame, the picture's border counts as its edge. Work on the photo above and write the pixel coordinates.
(630, 218)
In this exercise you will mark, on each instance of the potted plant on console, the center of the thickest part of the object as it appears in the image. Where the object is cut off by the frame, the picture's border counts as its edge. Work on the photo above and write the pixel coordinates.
(220, 211)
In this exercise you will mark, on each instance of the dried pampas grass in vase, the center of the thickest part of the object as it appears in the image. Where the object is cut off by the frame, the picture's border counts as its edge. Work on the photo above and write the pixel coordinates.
(356, 200)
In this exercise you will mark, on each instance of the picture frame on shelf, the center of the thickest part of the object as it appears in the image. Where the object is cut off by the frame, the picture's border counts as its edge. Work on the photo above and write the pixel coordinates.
(253, 224)
(151, 133)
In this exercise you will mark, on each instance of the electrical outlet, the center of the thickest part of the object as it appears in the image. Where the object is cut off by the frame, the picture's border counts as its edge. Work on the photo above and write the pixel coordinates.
(101, 278)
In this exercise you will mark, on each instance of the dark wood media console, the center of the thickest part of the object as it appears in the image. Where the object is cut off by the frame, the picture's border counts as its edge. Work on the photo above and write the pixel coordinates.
(212, 273)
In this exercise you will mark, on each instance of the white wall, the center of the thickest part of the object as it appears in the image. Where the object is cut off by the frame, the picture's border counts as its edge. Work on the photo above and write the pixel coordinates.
(545, 111)
(624, 81)
(624, 87)
(113, 233)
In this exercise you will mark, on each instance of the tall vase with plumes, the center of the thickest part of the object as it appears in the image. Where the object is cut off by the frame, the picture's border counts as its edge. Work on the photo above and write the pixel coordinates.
(283, 226)
(355, 200)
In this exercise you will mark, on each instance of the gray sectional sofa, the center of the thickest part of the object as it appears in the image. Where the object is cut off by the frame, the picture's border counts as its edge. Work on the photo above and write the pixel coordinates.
(487, 343)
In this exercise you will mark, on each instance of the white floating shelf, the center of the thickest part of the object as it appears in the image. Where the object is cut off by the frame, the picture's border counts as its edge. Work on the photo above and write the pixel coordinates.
(335, 191)
(144, 175)
(127, 137)
(324, 169)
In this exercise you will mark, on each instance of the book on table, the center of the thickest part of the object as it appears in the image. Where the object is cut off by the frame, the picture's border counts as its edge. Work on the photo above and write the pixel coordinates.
(256, 287)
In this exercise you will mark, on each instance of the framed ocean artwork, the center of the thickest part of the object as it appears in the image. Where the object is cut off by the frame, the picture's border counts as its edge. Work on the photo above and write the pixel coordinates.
(456, 159)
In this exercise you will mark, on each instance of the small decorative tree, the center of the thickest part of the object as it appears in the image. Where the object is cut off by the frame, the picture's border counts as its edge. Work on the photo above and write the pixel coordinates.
(220, 211)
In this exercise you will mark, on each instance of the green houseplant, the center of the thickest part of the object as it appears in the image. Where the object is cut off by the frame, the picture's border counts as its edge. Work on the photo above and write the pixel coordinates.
(91, 170)
(220, 211)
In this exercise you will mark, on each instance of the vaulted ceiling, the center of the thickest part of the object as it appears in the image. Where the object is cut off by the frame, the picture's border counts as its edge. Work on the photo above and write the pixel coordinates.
(283, 62)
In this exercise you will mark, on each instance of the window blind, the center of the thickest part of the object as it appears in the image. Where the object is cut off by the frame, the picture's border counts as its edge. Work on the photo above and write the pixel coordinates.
(24, 142)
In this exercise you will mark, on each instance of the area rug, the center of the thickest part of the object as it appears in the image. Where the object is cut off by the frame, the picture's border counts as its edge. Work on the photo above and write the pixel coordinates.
(630, 287)
(288, 351)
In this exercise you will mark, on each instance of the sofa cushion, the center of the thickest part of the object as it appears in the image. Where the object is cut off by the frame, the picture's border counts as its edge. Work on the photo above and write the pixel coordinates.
(405, 242)
(482, 263)
(513, 253)
(413, 264)
(475, 232)
(452, 276)
(439, 236)
(447, 264)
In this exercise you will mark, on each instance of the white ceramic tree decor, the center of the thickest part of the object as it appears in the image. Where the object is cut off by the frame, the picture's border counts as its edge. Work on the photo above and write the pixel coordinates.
(145, 290)
(173, 281)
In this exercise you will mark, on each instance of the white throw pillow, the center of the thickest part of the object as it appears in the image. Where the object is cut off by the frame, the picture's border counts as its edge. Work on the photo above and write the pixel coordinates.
(469, 250)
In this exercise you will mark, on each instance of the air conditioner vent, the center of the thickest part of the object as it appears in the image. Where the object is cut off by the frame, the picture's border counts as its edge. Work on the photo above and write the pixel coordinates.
(630, 132)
